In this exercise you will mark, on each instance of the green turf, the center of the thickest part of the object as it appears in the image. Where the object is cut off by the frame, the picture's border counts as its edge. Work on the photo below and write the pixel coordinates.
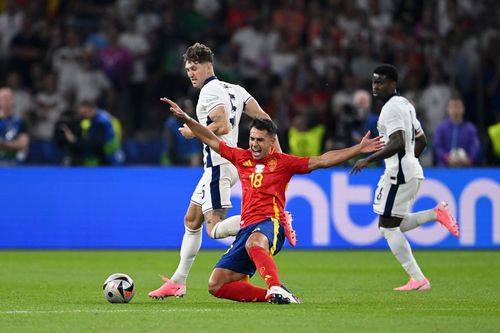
(342, 291)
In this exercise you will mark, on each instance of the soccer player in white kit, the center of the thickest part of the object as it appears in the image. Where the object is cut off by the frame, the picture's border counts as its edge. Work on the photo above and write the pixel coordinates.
(399, 185)
(220, 107)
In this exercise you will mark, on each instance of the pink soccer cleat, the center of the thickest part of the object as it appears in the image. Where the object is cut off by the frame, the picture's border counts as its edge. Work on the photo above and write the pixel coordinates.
(446, 219)
(290, 234)
(415, 285)
(168, 289)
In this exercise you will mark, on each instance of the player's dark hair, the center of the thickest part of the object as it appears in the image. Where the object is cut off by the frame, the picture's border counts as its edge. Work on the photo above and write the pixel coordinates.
(455, 95)
(199, 53)
(389, 71)
(264, 124)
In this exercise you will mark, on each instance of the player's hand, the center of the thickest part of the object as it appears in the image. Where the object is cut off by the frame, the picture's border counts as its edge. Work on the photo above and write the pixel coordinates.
(70, 137)
(368, 145)
(360, 165)
(175, 109)
(186, 132)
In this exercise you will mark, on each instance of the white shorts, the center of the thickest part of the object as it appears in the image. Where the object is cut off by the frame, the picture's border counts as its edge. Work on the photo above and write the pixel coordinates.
(214, 188)
(392, 199)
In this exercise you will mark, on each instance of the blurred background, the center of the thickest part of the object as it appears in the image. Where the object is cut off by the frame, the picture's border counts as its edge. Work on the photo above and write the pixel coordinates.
(308, 63)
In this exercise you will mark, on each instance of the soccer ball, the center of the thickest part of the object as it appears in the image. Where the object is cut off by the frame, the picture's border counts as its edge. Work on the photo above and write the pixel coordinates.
(118, 288)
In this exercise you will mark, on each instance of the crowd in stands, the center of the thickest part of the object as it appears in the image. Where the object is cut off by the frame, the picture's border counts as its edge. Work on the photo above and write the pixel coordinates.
(308, 64)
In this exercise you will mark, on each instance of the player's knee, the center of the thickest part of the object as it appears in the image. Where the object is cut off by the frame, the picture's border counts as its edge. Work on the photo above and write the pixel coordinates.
(213, 287)
(209, 226)
(257, 239)
(192, 223)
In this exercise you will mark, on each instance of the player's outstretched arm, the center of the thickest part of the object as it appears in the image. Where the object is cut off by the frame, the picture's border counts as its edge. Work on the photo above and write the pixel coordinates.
(335, 157)
(200, 131)
(396, 144)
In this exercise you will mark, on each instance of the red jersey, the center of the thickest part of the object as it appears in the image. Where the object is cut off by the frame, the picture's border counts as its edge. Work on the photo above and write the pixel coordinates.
(263, 182)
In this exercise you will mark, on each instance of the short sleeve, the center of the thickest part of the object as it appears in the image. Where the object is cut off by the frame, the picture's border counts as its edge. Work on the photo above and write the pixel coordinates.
(229, 153)
(393, 121)
(417, 127)
(298, 165)
(245, 95)
(211, 98)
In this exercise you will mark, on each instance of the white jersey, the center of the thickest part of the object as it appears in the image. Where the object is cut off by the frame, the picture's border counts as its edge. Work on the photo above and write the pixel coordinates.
(399, 114)
(234, 98)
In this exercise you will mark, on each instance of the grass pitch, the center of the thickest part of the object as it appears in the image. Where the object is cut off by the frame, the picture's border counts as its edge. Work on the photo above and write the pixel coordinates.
(342, 291)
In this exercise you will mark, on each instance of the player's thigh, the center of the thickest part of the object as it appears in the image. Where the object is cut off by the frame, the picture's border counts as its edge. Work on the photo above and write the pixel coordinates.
(268, 234)
(199, 193)
(217, 187)
(257, 239)
(395, 200)
(194, 217)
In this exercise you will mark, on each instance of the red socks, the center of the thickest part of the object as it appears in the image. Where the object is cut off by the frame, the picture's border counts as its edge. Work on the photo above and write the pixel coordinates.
(241, 291)
(265, 265)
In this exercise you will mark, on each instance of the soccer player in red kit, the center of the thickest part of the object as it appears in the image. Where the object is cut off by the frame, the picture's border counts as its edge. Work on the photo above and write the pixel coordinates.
(264, 175)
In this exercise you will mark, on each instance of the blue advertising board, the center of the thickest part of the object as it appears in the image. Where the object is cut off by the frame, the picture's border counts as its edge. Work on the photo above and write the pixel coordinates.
(143, 208)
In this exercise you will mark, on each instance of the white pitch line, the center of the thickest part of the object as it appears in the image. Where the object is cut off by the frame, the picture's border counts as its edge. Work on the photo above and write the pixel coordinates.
(30, 312)
(21, 312)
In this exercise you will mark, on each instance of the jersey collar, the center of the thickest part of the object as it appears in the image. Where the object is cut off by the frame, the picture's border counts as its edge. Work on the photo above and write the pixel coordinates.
(391, 96)
(210, 79)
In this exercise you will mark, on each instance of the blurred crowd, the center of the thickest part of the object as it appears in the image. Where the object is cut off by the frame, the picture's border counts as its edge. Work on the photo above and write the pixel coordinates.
(81, 80)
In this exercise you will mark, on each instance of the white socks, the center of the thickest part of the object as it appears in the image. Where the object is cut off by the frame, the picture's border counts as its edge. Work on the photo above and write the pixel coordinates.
(402, 251)
(227, 227)
(411, 221)
(191, 243)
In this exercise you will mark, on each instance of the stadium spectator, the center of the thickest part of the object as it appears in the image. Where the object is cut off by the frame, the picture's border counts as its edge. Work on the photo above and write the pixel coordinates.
(91, 84)
(264, 174)
(148, 17)
(14, 138)
(220, 106)
(98, 39)
(67, 60)
(49, 105)
(434, 99)
(68, 119)
(138, 46)
(99, 142)
(22, 99)
(116, 61)
(398, 186)
(11, 20)
(366, 117)
(248, 41)
(493, 150)
(303, 139)
(436, 46)
(27, 48)
(456, 142)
